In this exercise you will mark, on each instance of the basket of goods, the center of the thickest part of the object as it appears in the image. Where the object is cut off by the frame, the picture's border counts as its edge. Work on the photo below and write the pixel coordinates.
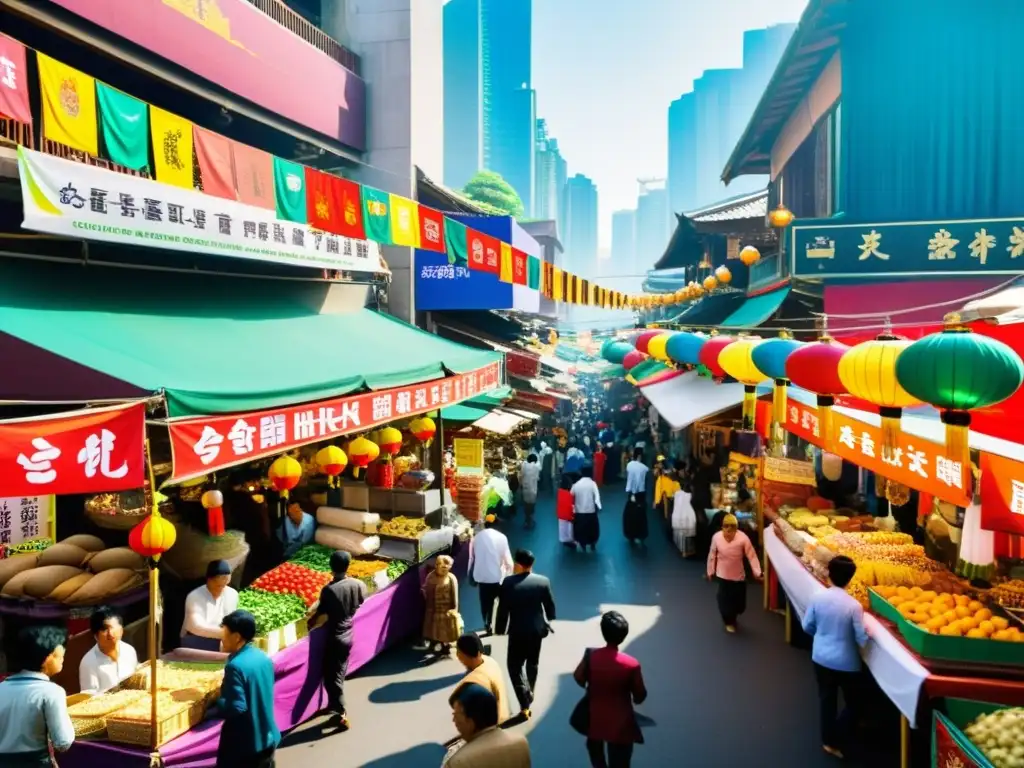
(176, 713)
(194, 550)
(176, 676)
(999, 735)
(123, 511)
(415, 480)
(402, 527)
(469, 490)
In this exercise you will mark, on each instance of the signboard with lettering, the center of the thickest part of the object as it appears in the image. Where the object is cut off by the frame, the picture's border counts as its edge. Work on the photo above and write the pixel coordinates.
(23, 518)
(789, 471)
(469, 455)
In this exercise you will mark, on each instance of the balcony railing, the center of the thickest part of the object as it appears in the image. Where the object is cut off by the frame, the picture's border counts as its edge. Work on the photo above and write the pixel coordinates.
(13, 133)
(768, 270)
(309, 32)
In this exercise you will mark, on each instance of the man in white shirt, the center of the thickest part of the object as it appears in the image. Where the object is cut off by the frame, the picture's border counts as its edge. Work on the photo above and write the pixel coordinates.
(529, 484)
(490, 561)
(110, 661)
(586, 501)
(206, 607)
(636, 474)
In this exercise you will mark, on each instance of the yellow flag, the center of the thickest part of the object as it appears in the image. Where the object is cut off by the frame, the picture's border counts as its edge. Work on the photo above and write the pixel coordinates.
(558, 283)
(506, 263)
(172, 148)
(69, 105)
(405, 222)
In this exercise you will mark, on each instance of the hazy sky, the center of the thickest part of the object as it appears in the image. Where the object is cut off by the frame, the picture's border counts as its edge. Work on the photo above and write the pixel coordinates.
(605, 72)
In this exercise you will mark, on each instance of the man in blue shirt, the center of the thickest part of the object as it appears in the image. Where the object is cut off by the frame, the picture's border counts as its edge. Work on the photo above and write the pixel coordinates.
(33, 710)
(836, 622)
(297, 529)
(250, 735)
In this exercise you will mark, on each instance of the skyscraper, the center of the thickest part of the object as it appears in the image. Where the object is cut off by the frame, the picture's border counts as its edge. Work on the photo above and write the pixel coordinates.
(653, 225)
(623, 256)
(581, 226)
(550, 176)
(462, 103)
(682, 162)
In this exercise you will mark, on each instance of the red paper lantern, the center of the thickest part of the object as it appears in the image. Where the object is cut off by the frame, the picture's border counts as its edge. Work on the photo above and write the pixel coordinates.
(361, 452)
(213, 503)
(645, 338)
(284, 474)
(332, 462)
(633, 359)
(815, 367)
(152, 537)
(389, 440)
(709, 352)
(424, 429)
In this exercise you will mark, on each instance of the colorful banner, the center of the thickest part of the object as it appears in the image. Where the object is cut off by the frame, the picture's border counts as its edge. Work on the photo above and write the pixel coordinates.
(505, 263)
(915, 462)
(216, 168)
(431, 235)
(124, 127)
(333, 204)
(172, 148)
(69, 105)
(62, 197)
(14, 100)
(206, 444)
(405, 223)
(91, 451)
(290, 191)
(254, 176)
(519, 267)
(456, 242)
(24, 518)
(1002, 494)
(377, 215)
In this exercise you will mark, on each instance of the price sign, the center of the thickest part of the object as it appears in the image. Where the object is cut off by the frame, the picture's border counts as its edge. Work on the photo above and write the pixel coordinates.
(469, 455)
(23, 518)
(789, 471)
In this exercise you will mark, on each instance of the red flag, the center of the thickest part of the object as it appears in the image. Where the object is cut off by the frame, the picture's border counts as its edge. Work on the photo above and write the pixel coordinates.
(333, 204)
(492, 254)
(14, 81)
(1002, 494)
(216, 169)
(475, 249)
(518, 267)
(254, 176)
(431, 230)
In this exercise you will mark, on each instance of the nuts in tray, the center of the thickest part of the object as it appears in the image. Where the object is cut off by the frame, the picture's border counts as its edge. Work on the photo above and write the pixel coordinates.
(174, 676)
(168, 703)
(403, 527)
(104, 704)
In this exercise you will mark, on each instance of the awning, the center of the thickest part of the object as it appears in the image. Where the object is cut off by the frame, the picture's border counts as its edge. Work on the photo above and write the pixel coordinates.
(757, 309)
(1004, 307)
(477, 407)
(711, 310)
(689, 398)
(213, 345)
(463, 413)
(499, 422)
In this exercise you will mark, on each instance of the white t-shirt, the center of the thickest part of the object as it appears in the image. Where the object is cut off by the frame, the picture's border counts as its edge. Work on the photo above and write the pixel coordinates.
(98, 672)
(203, 613)
(490, 559)
(586, 498)
(636, 477)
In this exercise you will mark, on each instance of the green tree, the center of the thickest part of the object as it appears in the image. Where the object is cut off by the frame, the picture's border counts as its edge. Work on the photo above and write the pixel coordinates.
(492, 191)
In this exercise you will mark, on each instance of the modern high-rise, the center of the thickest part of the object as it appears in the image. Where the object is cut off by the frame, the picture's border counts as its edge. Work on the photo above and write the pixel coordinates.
(462, 103)
(682, 164)
(550, 176)
(623, 255)
(653, 224)
(581, 226)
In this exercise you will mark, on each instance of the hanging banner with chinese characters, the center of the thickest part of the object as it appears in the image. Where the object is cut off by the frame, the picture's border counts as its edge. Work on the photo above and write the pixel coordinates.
(99, 450)
(993, 246)
(209, 443)
(23, 518)
(62, 197)
(1002, 494)
(915, 462)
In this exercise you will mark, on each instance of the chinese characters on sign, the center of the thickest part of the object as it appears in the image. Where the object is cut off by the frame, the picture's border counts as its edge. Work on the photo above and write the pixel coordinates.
(789, 471)
(202, 445)
(1002, 493)
(23, 518)
(444, 272)
(469, 455)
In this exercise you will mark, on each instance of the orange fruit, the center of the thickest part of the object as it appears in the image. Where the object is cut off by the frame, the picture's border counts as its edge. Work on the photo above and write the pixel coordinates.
(950, 616)
(897, 600)
(936, 623)
(987, 627)
(928, 595)
(952, 630)
(1001, 634)
(962, 600)
(1000, 623)
(975, 606)
(963, 611)
(976, 633)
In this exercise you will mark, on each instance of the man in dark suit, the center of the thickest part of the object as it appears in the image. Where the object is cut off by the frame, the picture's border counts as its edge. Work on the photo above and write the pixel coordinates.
(526, 607)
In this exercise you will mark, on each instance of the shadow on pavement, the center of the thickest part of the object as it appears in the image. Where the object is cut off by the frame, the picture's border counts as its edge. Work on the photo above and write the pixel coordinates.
(427, 755)
(412, 690)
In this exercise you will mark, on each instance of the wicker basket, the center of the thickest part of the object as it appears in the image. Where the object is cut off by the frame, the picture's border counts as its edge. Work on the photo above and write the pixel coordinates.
(139, 732)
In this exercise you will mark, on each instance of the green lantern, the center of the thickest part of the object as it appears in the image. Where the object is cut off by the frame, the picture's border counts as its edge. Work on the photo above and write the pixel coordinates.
(958, 371)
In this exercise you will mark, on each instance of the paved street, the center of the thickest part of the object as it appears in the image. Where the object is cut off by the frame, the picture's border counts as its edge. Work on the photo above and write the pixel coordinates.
(716, 701)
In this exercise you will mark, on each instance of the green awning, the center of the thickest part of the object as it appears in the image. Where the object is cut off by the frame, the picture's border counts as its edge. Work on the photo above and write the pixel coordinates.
(757, 309)
(219, 344)
(463, 413)
(647, 369)
(614, 372)
(477, 407)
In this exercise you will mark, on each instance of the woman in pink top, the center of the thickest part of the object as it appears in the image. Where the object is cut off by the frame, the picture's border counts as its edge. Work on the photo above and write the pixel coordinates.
(725, 564)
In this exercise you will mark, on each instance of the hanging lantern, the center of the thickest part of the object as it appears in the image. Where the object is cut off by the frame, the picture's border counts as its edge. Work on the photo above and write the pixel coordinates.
(815, 367)
(710, 283)
(868, 371)
(750, 256)
(213, 503)
(152, 537)
(684, 348)
(723, 275)
(959, 371)
(361, 452)
(617, 352)
(710, 351)
(424, 428)
(390, 441)
(770, 356)
(737, 360)
(332, 462)
(781, 217)
(656, 347)
(284, 474)
(632, 359)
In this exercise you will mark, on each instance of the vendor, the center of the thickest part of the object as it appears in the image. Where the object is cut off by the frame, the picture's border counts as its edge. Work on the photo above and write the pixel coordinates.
(296, 530)
(110, 661)
(206, 607)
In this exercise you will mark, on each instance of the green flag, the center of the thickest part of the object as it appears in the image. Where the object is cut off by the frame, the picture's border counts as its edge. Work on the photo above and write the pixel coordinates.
(377, 215)
(455, 242)
(533, 273)
(124, 126)
(290, 191)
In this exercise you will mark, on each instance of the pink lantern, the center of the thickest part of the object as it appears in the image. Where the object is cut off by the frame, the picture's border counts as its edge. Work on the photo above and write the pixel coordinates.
(633, 359)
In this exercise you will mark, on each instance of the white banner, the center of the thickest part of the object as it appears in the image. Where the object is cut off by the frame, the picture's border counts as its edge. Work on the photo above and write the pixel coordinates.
(62, 197)
(24, 518)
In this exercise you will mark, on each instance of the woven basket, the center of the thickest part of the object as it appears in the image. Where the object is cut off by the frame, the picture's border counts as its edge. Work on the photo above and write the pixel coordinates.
(139, 733)
(117, 519)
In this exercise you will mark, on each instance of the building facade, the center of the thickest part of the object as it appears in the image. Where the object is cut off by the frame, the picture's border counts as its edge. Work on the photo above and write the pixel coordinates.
(682, 143)
(581, 226)
(653, 225)
(550, 175)
(623, 253)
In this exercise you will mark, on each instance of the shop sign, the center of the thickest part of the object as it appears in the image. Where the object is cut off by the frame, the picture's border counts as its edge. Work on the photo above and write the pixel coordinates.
(99, 450)
(443, 286)
(469, 455)
(62, 197)
(984, 246)
(23, 518)
(915, 462)
(1002, 494)
(209, 443)
(789, 471)
(522, 364)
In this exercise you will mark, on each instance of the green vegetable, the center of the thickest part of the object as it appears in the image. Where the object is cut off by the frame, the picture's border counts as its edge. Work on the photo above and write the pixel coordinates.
(271, 611)
(315, 557)
(396, 568)
(27, 547)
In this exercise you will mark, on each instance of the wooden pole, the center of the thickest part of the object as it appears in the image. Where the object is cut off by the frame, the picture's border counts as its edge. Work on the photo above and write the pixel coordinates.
(154, 650)
(789, 623)
(765, 571)
(904, 742)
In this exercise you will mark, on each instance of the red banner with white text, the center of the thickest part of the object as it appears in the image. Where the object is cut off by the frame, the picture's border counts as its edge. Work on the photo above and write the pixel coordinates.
(100, 450)
(209, 443)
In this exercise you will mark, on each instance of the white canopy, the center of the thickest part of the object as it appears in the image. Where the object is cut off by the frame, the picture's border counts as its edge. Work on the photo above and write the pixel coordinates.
(689, 398)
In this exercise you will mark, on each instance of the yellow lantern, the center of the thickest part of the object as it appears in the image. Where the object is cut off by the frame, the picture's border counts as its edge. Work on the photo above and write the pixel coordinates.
(710, 283)
(390, 441)
(737, 360)
(868, 371)
(781, 217)
(723, 274)
(152, 537)
(750, 256)
(332, 462)
(284, 474)
(656, 346)
(361, 452)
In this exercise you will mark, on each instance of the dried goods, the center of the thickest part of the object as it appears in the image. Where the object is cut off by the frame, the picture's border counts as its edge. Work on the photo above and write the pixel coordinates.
(348, 519)
(41, 581)
(86, 727)
(104, 704)
(404, 527)
(12, 566)
(63, 554)
(349, 541)
(118, 557)
(1000, 736)
(86, 541)
(1010, 594)
(103, 585)
(176, 675)
(66, 589)
(168, 703)
(15, 586)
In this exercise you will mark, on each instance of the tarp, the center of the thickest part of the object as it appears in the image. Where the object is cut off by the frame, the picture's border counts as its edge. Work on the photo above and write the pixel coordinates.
(214, 345)
(689, 398)
(463, 413)
(757, 309)
(477, 407)
(499, 422)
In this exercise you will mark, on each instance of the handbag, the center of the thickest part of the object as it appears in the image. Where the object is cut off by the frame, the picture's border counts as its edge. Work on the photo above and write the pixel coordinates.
(580, 717)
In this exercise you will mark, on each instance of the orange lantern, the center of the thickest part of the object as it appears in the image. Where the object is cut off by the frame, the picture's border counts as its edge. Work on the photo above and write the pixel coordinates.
(723, 274)
(284, 474)
(361, 452)
(390, 441)
(781, 217)
(213, 503)
(424, 429)
(710, 283)
(332, 462)
(152, 537)
(750, 256)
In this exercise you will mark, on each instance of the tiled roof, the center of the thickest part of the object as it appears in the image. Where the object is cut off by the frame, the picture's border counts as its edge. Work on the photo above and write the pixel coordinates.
(750, 206)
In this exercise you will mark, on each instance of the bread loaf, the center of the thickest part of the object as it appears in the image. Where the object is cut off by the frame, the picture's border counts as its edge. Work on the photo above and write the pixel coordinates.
(67, 588)
(103, 585)
(15, 586)
(86, 541)
(118, 557)
(43, 580)
(349, 519)
(63, 554)
(12, 566)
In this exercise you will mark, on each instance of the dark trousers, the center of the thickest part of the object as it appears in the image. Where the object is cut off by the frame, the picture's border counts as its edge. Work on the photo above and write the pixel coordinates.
(488, 597)
(524, 651)
(835, 727)
(619, 755)
(335, 669)
(38, 759)
(529, 506)
(732, 600)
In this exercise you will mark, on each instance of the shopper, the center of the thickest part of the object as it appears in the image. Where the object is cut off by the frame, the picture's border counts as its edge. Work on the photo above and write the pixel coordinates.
(111, 660)
(490, 561)
(442, 624)
(564, 513)
(600, 457)
(206, 607)
(529, 482)
(634, 516)
(33, 710)
(684, 522)
(526, 609)
(339, 602)
(482, 670)
(586, 504)
(614, 683)
(725, 565)
(574, 461)
(250, 736)
(483, 744)
(836, 622)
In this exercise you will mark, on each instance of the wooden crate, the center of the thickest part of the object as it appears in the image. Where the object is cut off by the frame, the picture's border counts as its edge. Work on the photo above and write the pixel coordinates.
(139, 732)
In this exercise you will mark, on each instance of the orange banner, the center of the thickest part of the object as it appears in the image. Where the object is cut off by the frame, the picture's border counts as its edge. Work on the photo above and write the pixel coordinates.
(1002, 494)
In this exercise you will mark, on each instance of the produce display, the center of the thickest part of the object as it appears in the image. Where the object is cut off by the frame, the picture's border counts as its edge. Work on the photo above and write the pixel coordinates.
(271, 611)
(1010, 594)
(403, 527)
(176, 675)
(952, 615)
(314, 557)
(1000, 737)
(105, 703)
(293, 579)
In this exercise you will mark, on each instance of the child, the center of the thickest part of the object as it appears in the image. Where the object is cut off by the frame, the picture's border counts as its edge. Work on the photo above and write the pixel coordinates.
(836, 622)
(564, 512)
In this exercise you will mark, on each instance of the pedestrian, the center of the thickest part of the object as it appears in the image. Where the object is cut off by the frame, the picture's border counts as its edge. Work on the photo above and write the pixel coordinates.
(250, 736)
(565, 514)
(725, 565)
(574, 461)
(665, 487)
(614, 683)
(33, 710)
(483, 744)
(684, 522)
(600, 457)
(442, 624)
(529, 481)
(490, 561)
(836, 622)
(339, 602)
(586, 504)
(526, 609)
(482, 670)
(634, 516)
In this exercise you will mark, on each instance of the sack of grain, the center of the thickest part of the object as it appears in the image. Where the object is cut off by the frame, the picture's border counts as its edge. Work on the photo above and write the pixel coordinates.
(349, 541)
(119, 557)
(85, 541)
(349, 519)
(12, 566)
(103, 585)
(15, 586)
(67, 588)
(63, 554)
(44, 579)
